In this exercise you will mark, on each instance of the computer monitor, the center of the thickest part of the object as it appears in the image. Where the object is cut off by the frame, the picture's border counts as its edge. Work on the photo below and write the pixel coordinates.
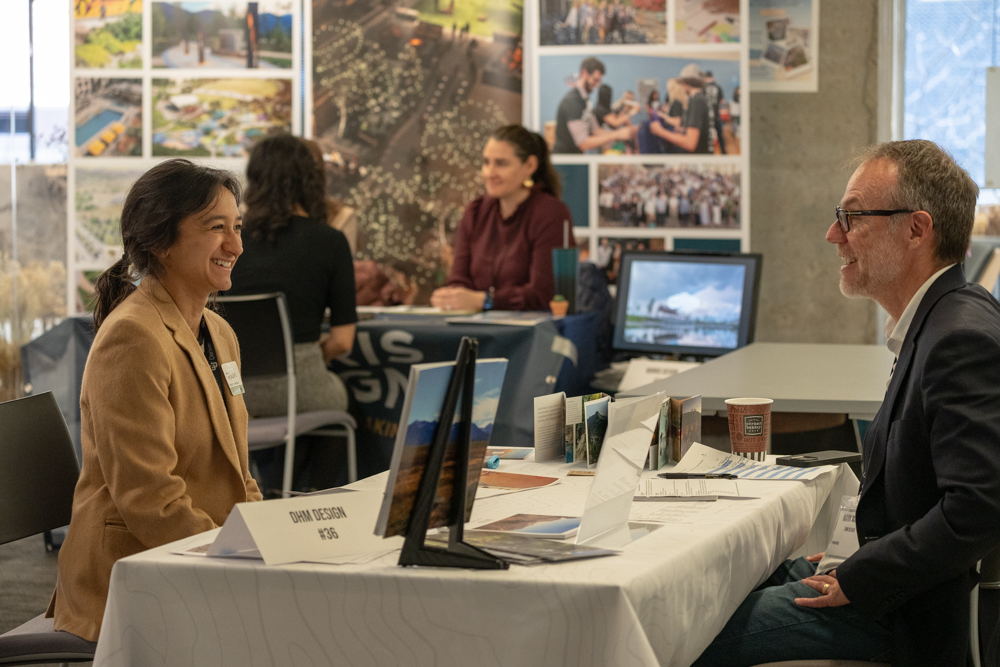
(700, 304)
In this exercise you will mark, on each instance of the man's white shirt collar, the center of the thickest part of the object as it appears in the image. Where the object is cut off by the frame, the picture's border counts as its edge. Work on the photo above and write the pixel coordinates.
(895, 331)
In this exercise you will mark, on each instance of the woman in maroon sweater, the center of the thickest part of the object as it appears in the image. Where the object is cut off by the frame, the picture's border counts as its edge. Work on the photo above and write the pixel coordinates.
(503, 249)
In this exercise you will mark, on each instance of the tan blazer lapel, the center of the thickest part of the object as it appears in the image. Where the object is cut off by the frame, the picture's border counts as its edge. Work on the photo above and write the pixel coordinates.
(187, 341)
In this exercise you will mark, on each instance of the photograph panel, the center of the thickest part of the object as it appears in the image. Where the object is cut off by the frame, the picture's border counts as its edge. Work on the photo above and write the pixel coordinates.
(635, 104)
(599, 22)
(702, 196)
(107, 34)
(98, 198)
(403, 102)
(217, 118)
(707, 21)
(108, 120)
(223, 34)
(608, 254)
(782, 49)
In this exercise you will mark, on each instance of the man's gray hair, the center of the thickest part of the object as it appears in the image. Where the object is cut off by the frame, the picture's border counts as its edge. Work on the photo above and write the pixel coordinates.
(929, 179)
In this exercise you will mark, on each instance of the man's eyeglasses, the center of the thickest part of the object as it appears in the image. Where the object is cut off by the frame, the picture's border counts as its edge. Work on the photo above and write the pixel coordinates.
(844, 217)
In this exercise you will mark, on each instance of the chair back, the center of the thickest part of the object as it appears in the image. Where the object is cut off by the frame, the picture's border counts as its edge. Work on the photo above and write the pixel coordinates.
(265, 334)
(38, 467)
(989, 571)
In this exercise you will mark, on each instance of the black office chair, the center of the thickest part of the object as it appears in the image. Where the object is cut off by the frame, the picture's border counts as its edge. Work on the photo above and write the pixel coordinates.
(266, 350)
(38, 473)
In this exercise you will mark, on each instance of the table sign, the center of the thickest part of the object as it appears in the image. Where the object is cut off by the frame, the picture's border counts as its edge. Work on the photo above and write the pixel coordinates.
(291, 530)
(605, 517)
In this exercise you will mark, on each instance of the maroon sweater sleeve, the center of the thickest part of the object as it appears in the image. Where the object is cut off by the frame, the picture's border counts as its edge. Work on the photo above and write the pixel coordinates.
(543, 232)
(461, 275)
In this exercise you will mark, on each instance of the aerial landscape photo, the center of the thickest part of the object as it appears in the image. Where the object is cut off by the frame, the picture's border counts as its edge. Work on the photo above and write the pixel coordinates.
(108, 119)
(98, 197)
(223, 34)
(108, 34)
(218, 117)
(404, 97)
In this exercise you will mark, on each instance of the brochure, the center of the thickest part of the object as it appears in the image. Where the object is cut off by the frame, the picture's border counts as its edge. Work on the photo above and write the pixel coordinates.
(549, 420)
(510, 452)
(595, 419)
(493, 479)
(425, 395)
(685, 425)
(536, 525)
(523, 550)
(575, 431)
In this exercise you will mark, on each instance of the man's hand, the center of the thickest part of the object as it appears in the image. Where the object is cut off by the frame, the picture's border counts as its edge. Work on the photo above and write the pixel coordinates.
(829, 587)
(815, 558)
(457, 298)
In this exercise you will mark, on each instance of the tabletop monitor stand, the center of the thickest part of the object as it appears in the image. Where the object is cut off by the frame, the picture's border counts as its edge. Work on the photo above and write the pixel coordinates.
(458, 553)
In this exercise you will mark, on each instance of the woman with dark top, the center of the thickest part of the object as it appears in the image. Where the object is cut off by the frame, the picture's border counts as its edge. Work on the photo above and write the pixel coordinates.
(503, 248)
(288, 247)
(163, 434)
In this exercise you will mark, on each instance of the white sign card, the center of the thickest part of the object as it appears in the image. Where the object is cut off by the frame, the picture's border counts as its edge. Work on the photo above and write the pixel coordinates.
(605, 516)
(306, 528)
(550, 417)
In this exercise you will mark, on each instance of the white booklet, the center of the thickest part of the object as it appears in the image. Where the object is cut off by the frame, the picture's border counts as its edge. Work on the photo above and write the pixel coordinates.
(689, 489)
(707, 461)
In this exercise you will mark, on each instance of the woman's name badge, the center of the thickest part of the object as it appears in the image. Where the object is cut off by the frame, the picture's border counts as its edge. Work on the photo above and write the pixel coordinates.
(232, 375)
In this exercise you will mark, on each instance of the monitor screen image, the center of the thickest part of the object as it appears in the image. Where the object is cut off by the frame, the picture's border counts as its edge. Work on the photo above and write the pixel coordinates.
(680, 303)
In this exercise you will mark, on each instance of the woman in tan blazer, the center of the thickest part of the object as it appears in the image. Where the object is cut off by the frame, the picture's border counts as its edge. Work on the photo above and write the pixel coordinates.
(163, 432)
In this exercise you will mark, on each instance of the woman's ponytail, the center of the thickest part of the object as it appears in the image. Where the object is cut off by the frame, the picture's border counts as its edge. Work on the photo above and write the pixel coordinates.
(527, 143)
(546, 174)
(111, 289)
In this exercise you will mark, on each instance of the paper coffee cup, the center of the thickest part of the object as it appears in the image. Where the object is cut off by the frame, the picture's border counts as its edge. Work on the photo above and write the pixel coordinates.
(749, 426)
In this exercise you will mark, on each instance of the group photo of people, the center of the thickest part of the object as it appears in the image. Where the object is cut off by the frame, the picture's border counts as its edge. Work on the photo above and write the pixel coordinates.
(637, 195)
(647, 105)
(565, 22)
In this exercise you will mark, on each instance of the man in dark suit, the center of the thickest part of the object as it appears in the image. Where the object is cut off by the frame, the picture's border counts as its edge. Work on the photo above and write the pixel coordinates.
(929, 506)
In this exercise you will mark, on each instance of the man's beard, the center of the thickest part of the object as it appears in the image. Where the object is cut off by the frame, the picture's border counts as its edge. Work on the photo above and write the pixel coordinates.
(882, 267)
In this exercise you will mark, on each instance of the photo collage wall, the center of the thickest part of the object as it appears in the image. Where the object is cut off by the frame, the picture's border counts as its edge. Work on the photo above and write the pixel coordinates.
(640, 103)
(152, 80)
(401, 99)
(404, 96)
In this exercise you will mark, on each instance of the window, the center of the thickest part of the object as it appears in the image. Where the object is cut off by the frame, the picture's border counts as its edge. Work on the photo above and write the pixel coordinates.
(47, 118)
(949, 45)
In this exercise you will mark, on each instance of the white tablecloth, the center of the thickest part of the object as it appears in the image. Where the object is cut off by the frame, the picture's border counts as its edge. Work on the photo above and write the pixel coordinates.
(660, 602)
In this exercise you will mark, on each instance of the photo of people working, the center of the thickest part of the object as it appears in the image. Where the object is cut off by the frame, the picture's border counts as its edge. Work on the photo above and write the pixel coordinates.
(664, 105)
